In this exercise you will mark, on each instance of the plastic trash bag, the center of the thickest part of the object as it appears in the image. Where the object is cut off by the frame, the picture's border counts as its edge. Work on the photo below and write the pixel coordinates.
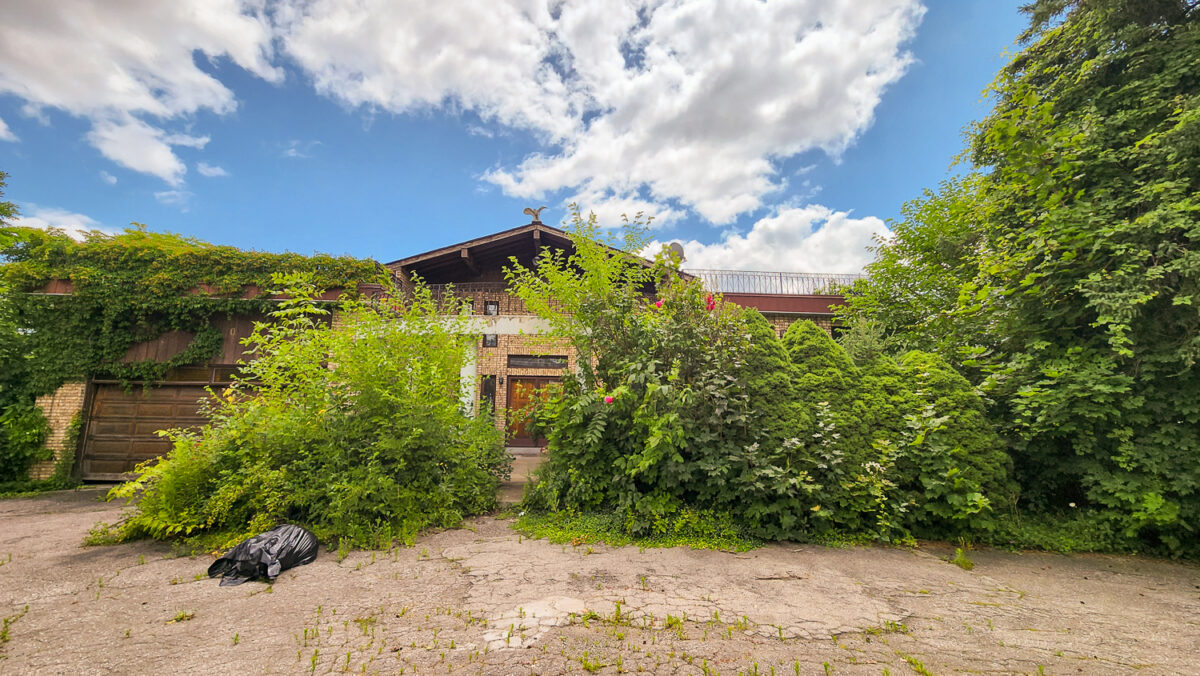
(266, 555)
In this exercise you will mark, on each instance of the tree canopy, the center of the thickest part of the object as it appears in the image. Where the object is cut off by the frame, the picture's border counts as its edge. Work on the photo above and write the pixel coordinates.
(1064, 268)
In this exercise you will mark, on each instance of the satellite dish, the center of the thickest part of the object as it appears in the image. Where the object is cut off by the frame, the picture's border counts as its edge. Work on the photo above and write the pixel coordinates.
(676, 250)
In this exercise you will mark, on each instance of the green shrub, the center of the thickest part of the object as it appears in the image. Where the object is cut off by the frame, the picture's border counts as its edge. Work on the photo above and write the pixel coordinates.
(770, 385)
(695, 405)
(355, 431)
(659, 418)
(957, 471)
(23, 432)
(658, 425)
(835, 455)
(697, 529)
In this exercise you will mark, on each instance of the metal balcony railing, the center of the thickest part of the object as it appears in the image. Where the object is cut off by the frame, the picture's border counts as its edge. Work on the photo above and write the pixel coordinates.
(487, 297)
(774, 283)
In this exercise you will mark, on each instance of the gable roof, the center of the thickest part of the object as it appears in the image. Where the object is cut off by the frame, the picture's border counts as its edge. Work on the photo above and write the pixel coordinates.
(470, 257)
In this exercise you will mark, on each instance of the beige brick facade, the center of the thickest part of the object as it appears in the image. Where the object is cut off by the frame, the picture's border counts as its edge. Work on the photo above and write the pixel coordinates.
(493, 361)
(781, 322)
(59, 409)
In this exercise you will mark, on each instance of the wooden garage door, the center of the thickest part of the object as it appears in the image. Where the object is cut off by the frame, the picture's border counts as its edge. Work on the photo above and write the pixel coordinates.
(121, 428)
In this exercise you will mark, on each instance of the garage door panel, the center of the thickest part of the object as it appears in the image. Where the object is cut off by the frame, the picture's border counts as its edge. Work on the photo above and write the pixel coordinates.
(150, 428)
(105, 466)
(110, 447)
(163, 410)
(115, 408)
(122, 428)
(144, 449)
(106, 427)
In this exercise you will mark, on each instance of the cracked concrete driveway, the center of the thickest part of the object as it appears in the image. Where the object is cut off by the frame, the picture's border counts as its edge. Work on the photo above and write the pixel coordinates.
(486, 600)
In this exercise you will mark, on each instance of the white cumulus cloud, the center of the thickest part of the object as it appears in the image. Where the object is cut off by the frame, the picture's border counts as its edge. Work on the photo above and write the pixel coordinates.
(668, 106)
(6, 134)
(74, 224)
(132, 143)
(130, 68)
(693, 103)
(177, 198)
(812, 238)
(206, 169)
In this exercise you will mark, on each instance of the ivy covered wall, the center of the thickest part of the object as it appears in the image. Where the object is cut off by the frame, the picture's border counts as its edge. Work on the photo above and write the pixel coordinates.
(71, 310)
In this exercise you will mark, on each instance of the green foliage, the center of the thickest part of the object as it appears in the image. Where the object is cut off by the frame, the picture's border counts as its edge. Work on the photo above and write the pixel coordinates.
(770, 388)
(660, 420)
(899, 448)
(961, 559)
(692, 404)
(130, 288)
(864, 339)
(697, 529)
(1094, 201)
(23, 430)
(8, 211)
(127, 288)
(909, 299)
(354, 430)
(1071, 286)
(1072, 530)
(953, 459)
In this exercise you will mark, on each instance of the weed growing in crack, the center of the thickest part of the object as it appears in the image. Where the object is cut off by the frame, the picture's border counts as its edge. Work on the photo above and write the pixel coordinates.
(916, 664)
(8, 622)
(181, 616)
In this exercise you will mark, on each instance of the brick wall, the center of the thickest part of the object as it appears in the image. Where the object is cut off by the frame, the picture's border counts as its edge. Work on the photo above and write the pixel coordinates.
(781, 322)
(493, 361)
(59, 408)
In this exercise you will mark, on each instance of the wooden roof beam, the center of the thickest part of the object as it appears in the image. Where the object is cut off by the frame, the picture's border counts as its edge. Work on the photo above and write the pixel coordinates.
(465, 255)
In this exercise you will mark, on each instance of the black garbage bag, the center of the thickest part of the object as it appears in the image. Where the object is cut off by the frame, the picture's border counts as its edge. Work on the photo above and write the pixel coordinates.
(266, 555)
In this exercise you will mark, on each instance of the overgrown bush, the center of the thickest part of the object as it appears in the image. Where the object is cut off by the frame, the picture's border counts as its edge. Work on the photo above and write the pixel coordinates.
(694, 406)
(1060, 271)
(354, 430)
(658, 425)
(23, 432)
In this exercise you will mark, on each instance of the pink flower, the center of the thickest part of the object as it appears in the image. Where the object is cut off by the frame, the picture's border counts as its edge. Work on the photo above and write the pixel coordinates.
(608, 399)
(709, 303)
(658, 303)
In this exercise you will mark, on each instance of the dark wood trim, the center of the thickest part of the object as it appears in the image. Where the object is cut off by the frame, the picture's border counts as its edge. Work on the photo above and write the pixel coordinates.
(465, 255)
(814, 305)
(89, 393)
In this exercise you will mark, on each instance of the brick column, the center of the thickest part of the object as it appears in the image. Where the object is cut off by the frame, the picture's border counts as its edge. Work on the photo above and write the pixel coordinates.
(59, 408)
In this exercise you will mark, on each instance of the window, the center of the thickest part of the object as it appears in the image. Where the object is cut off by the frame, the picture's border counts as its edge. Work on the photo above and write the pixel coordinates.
(487, 392)
(490, 340)
(836, 331)
(529, 361)
(491, 307)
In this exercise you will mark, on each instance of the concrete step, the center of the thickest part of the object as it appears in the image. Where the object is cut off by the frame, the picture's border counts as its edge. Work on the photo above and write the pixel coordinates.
(522, 472)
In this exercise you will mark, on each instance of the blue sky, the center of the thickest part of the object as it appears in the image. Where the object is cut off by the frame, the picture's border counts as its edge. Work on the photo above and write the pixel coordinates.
(765, 135)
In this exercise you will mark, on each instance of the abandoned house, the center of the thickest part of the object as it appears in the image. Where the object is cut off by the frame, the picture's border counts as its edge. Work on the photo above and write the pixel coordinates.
(511, 362)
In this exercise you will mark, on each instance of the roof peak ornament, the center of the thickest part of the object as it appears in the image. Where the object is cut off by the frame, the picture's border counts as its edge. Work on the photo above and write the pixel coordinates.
(536, 214)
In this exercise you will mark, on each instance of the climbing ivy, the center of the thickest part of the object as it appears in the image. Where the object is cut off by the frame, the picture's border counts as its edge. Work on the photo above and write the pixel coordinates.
(133, 287)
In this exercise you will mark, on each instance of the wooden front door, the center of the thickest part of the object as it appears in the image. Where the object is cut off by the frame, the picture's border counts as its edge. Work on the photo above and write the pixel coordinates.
(523, 391)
